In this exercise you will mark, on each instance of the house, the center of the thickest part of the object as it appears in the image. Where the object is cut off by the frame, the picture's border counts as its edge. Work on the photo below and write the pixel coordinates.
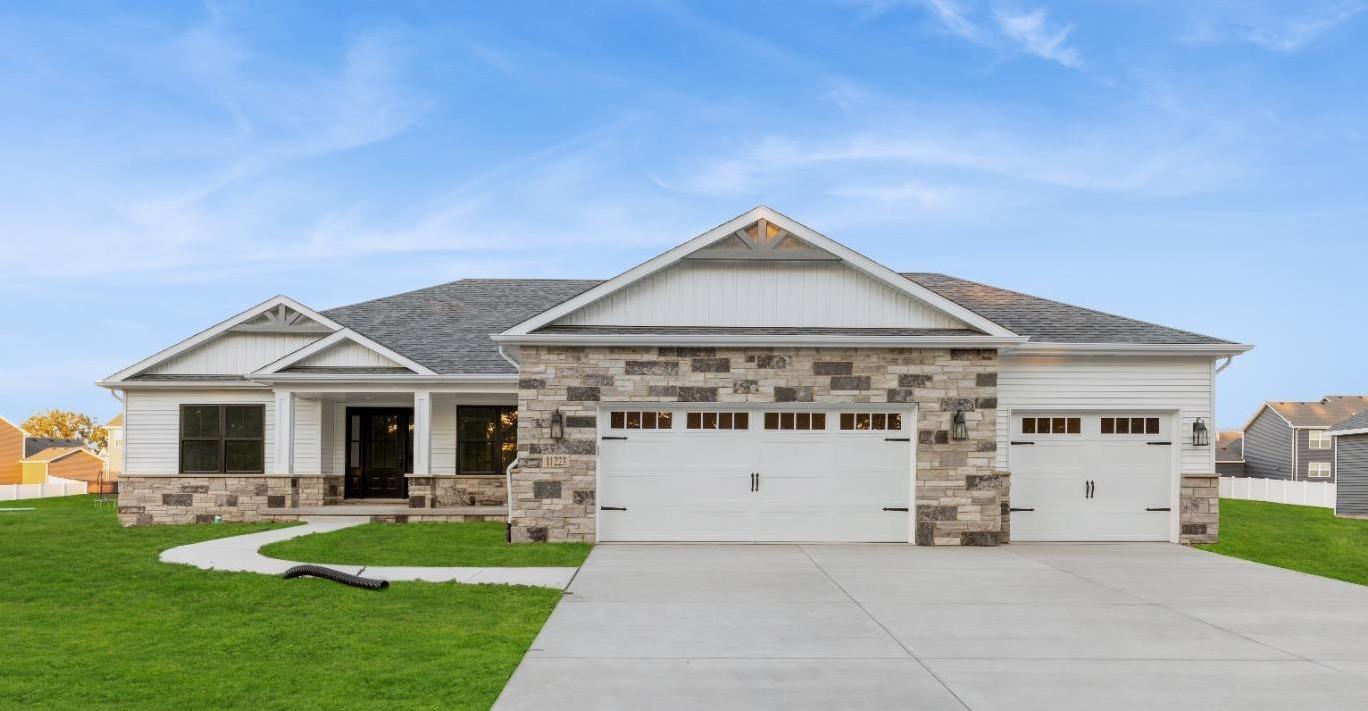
(11, 452)
(72, 463)
(759, 382)
(1351, 461)
(114, 447)
(1291, 440)
(1230, 453)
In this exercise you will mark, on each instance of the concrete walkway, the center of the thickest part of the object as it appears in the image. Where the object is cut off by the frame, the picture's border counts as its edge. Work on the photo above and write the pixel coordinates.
(1023, 627)
(240, 554)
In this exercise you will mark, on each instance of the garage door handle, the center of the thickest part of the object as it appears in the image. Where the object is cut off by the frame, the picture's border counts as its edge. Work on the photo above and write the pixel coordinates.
(1159, 508)
(895, 508)
(897, 439)
(612, 508)
(1023, 442)
(1160, 443)
(613, 437)
(1016, 509)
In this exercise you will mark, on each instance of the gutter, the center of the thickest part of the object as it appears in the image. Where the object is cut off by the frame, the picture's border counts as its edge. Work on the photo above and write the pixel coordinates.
(1228, 350)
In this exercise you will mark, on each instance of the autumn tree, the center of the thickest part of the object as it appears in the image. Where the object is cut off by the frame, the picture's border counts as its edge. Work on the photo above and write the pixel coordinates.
(63, 424)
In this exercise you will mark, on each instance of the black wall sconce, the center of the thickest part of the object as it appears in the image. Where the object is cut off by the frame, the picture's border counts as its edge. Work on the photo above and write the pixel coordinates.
(1200, 436)
(958, 429)
(557, 426)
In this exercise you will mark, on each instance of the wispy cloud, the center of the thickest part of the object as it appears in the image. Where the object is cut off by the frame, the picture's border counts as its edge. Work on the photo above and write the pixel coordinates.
(952, 17)
(1033, 32)
(1278, 29)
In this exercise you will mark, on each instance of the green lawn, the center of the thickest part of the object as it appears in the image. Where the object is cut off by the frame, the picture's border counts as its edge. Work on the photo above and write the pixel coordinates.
(1301, 538)
(91, 619)
(441, 544)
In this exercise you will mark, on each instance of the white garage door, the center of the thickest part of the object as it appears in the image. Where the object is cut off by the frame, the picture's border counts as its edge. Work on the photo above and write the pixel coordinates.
(755, 475)
(1091, 477)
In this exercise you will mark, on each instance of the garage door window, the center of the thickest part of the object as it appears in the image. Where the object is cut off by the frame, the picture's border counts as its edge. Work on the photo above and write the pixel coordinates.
(795, 420)
(640, 420)
(718, 421)
(871, 421)
(1130, 425)
(1051, 425)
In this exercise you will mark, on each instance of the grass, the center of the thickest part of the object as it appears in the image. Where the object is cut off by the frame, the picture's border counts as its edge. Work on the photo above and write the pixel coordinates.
(91, 619)
(438, 544)
(1301, 538)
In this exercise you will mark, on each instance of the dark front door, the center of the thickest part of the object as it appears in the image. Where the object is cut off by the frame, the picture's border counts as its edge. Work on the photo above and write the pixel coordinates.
(379, 452)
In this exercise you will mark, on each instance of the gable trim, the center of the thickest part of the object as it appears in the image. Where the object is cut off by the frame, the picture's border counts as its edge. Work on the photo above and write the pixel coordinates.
(216, 330)
(814, 341)
(327, 342)
(856, 260)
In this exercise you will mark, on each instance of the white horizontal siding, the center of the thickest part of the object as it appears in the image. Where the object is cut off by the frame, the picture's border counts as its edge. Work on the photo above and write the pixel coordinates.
(233, 354)
(443, 434)
(308, 436)
(1109, 384)
(327, 438)
(152, 426)
(348, 355)
(792, 294)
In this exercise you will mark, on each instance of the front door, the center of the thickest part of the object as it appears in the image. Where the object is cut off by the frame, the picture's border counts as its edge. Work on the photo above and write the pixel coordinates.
(379, 452)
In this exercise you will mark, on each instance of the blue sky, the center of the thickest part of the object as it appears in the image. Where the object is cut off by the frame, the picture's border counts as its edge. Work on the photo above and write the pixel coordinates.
(166, 165)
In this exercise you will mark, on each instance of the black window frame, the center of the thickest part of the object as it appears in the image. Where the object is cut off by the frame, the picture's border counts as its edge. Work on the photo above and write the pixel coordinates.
(502, 435)
(222, 438)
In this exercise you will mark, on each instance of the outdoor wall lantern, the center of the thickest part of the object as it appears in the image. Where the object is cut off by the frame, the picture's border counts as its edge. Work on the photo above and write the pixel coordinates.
(958, 429)
(557, 426)
(1200, 438)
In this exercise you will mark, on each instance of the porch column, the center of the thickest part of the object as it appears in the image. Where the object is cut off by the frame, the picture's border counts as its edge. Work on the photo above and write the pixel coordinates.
(284, 433)
(422, 433)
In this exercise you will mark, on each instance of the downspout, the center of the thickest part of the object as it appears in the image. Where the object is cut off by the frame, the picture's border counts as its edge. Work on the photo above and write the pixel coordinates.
(1226, 364)
(508, 471)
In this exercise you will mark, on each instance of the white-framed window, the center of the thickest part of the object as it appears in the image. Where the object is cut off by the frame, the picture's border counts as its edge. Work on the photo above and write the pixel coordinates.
(871, 421)
(1051, 425)
(795, 420)
(1129, 425)
(717, 421)
(1318, 470)
(1318, 439)
(637, 420)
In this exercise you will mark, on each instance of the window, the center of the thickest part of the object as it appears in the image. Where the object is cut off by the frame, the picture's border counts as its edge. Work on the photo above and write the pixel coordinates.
(795, 420)
(718, 420)
(634, 420)
(1318, 439)
(222, 438)
(871, 421)
(1051, 425)
(1318, 470)
(1130, 425)
(486, 439)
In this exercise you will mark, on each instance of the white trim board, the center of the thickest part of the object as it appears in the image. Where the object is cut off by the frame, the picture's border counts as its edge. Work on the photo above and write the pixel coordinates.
(345, 334)
(852, 258)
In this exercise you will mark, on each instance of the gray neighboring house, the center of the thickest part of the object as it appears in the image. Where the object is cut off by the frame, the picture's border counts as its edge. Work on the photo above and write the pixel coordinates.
(1351, 460)
(1291, 440)
(1230, 453)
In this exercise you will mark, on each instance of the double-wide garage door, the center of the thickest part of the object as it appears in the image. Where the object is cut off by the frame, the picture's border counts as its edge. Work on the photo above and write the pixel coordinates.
(1091, 477)
(755, 475)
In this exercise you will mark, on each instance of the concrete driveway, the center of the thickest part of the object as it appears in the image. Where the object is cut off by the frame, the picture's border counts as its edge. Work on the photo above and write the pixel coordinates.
(1025, 626)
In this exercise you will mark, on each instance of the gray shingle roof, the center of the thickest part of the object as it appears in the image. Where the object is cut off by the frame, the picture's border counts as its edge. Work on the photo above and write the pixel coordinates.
(1049, 321)
(447, 327)
(1357, 422)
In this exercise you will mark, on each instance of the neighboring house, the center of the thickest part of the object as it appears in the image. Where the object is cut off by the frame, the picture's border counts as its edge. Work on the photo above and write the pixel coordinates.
(11, 452)
(1351, 461)
(760, 382)
(73, 463)
(1291, 440)
(114, 446)
(1230, 453)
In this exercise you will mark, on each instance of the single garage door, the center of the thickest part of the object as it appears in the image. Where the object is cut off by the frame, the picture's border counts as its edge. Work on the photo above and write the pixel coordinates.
(1091, 476)
(773, 475)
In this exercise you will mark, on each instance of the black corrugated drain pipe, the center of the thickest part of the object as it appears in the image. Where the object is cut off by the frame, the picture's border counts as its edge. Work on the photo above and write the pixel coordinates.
(337, 576)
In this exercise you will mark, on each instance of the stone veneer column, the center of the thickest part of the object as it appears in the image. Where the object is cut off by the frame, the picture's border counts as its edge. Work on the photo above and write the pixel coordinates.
(1199, 516)
(960, 498)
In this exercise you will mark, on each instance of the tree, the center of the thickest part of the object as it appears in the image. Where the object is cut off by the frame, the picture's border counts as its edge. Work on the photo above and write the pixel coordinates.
(62, 424)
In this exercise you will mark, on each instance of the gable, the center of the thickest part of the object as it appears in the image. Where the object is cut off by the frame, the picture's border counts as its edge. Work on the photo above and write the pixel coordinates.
(771, 293)
(232, 354)
(347, 354)
(762, 269)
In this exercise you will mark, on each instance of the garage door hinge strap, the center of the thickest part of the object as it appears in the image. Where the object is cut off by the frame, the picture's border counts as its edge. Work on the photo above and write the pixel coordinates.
(612, 508)
(1018, 442)
(1160, 443)
(1016, 509)
(895, 508)
(897, 439)
(1159, 508)
(613, 437)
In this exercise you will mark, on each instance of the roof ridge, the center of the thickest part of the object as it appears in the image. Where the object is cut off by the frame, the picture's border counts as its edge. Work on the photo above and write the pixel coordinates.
(1061, 303)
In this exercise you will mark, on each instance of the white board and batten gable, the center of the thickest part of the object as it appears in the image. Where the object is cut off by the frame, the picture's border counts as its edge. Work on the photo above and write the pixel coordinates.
(344, 349)
(761, 270)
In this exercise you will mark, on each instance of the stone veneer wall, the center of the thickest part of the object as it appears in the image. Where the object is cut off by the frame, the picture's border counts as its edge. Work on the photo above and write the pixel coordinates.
(198, 498)
(960, 499)
(443, 491)
(1199, 517)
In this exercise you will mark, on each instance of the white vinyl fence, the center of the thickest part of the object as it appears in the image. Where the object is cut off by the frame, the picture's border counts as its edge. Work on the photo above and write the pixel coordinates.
(1279, 491)
(54, 486)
